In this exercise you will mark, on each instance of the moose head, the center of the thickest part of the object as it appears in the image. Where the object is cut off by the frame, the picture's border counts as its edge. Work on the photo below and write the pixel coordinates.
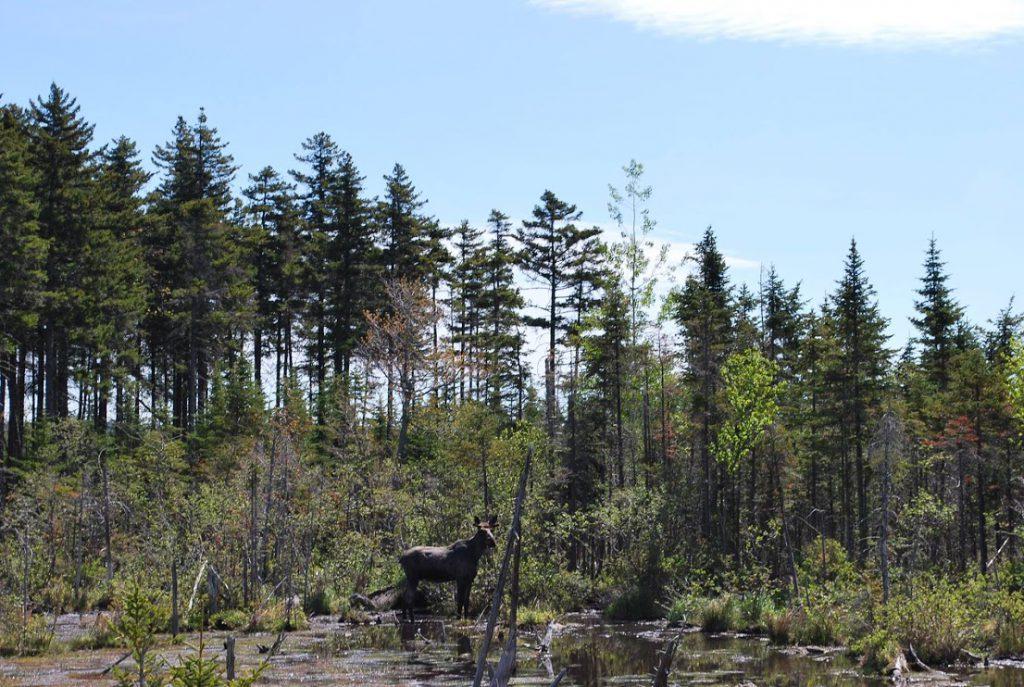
(483, 531)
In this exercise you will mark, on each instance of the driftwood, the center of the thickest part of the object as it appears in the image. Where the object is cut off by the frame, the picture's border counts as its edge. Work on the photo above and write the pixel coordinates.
(665, 662)
(558, 678)
(513, 534)
(271, 650)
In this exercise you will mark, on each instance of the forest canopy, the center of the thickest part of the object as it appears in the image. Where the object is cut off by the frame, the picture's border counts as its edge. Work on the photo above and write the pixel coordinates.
(276, 377)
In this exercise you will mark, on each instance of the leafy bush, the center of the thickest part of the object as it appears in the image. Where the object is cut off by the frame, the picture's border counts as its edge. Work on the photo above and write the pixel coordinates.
(24, 638)
(938, 618)
(1008, 610)
(719, 614)
(755, 611)
(634, 603)
(779, 625)
(232, 619)
(533, 616)
(877, 650)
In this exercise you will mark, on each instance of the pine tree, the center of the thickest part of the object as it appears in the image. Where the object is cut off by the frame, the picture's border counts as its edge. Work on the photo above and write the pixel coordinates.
(551, 247)
(317, 185)
(115, 278)
(500, 303)
(353, 264)
(703, 309)
(60, 141)
(203, 285)
(22, 278)
(402, 228)
(938, 318)
(466, 307)
(269, 207)
(860, 368)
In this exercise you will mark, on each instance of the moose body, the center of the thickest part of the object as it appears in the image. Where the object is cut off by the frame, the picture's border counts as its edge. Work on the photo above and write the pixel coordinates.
(456, 562)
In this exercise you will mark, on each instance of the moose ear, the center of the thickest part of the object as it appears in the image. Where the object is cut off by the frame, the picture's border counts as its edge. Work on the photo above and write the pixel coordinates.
(476, 521)
(493, 521)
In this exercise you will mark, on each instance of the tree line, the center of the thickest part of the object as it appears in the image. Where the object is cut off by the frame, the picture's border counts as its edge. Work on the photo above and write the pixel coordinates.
(320, 332)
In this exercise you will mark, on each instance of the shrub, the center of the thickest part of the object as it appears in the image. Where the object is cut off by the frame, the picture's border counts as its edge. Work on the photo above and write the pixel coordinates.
(24, 638)
(233, 619)
(532, 616)
(779, 625)
(755, 611)
(102, 635)
(634, 603)
(937, 618)
(877, 650)
(1008, 610)
(684, 608)
(720, 614)
(275, 618)
(818, 622)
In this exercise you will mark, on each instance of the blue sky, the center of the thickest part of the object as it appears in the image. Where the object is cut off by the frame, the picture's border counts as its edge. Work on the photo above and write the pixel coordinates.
(790, 127)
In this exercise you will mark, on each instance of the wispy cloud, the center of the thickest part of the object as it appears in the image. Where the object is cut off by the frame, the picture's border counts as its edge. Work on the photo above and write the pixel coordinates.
(896, 23)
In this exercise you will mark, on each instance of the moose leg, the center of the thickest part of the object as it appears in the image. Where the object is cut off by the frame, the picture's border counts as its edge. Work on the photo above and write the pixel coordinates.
(462, 599)
(409, 596)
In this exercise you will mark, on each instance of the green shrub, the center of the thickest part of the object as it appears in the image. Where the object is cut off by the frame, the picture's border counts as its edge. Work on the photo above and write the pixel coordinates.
(719, 614)
(634, 603)
(684, 608)
(533, 616)
(818, 622)
(755, 611)
(102, 635)
(938, 618)
(779, 625)
(877, 650)
(276, 618)
(231, 619)
(20, 638)
(1008, 612)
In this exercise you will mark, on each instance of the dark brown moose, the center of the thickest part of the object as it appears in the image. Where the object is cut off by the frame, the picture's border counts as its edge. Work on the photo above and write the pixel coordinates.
(457, 561)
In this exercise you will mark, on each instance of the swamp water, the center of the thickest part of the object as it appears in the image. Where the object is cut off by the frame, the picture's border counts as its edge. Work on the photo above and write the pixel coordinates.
(440, 653)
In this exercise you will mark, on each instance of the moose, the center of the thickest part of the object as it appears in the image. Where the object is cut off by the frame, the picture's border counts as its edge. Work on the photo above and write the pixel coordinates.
(456, 562)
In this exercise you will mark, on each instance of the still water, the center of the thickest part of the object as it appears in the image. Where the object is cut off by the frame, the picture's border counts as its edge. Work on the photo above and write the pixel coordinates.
(439, 653)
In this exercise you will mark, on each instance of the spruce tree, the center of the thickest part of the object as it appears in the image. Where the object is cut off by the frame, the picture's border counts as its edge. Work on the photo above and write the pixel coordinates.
(353, 264)
(317, 184)
(269, 206)
(60, 141)
(203, 285)
(501, 303)
(22, 277)
(938, 318)
(703, 309)
(860, 368)
(115, 281)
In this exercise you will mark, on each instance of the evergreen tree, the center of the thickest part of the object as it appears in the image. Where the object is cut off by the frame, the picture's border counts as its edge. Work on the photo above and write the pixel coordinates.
(859, 368)
(938, 318)
(702, 307)
(353, 264)
(501, 303)
(269, 208)
(203, 287)
(402, 228)
(60, 141)
(551, 247)
(22, 278)
(317, 195)
(115, 278)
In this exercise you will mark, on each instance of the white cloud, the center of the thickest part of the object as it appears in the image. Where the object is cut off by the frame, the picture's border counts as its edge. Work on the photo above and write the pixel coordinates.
(850, 22)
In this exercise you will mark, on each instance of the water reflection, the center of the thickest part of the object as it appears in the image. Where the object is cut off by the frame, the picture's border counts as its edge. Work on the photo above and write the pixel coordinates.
(430, 652)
